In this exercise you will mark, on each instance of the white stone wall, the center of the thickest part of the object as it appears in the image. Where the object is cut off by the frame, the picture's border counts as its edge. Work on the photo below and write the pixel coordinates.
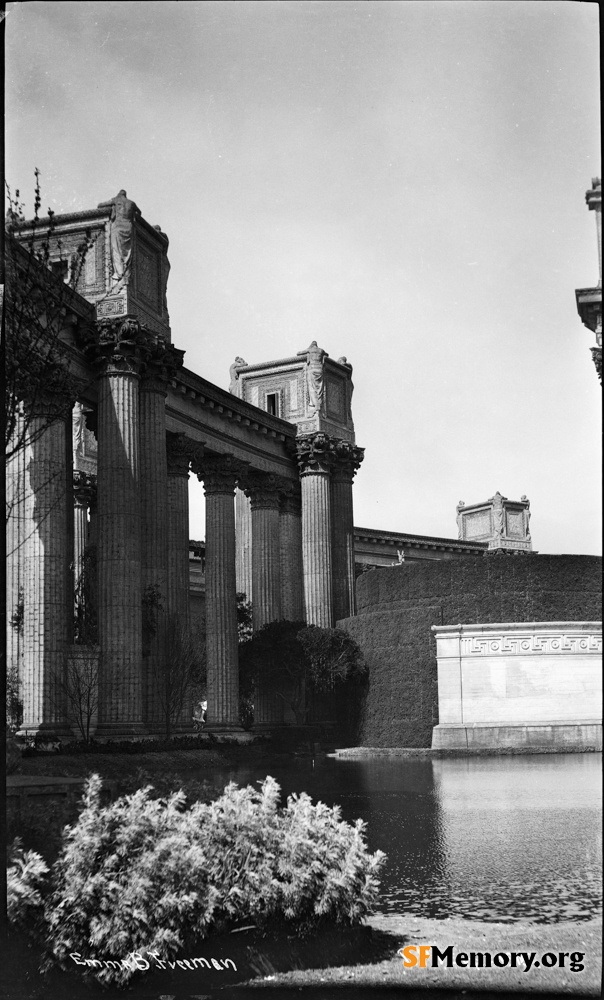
(518, 675)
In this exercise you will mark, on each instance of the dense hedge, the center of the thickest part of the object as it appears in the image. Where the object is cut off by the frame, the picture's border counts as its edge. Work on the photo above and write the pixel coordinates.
(397, 607)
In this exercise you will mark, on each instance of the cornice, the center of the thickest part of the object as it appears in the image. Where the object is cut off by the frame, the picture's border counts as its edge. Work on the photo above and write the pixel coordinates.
(208, 396)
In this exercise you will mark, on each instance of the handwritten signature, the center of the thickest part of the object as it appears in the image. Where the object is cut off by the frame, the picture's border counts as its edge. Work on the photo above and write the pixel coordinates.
(135, 960)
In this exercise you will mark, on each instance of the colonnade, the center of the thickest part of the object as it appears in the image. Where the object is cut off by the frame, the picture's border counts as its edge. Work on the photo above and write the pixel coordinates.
(295, 540)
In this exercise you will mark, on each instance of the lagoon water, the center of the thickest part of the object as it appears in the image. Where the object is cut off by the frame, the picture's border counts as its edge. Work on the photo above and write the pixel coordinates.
(488, 838)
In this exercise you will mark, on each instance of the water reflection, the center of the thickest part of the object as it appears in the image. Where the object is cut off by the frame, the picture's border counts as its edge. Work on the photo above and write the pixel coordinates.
(492, 838)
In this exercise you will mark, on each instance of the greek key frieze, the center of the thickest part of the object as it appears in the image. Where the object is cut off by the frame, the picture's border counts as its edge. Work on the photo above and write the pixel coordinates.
(517, 645)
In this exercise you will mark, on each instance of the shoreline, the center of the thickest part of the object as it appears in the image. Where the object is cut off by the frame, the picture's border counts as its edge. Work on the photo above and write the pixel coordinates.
(466, 936)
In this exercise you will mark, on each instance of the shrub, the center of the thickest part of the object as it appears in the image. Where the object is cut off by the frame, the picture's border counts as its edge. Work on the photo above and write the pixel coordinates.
(303, 664)
(149, 875)
(25, 881)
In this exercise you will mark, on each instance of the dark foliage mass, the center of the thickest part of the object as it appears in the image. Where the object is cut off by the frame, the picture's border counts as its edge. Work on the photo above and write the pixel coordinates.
(303, 664)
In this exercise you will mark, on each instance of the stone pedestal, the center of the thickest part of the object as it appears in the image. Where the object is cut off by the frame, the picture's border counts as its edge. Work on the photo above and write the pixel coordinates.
(47, 577)
(348, 460)
(120, 355)
(290, 530)
(219, 478)
(316, 459)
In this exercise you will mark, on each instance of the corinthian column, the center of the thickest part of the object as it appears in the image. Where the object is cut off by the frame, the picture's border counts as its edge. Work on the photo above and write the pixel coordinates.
(83, 487)
(120, 353)
(15, 541)
(48, 607)
(219, 476)
(263, 490)
(154, 507)
(243, 544)
(315, 461)
(347, 460)
(264, 493)
(290, 531)
(180, 450)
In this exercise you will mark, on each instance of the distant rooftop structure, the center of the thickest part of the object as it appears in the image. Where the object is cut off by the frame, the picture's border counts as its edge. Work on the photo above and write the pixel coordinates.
(502, 523)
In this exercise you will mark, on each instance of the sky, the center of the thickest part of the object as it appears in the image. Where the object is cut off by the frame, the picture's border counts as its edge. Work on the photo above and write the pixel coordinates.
(403, 182)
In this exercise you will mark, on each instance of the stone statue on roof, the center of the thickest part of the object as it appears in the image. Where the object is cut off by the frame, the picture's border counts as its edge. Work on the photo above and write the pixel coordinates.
(314, 376)
(123, 212)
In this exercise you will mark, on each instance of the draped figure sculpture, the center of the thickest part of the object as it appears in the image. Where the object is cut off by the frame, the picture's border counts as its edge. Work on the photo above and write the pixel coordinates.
(314, 376)
(123, 212)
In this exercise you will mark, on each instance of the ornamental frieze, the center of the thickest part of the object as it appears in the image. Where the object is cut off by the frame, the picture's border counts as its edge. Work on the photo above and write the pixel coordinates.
(516, 645)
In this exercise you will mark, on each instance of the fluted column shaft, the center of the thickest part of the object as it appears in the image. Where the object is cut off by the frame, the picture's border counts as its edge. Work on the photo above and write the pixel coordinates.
(316, 456)
(316, 548)
(243, 542)
(179, 450)
(219, 478)
(15, 538)
(48, 506)
(266, 554)
(264, 492)
(119, 550)
(154, 528)
(83, 489)
(290, 531)
(347, 460)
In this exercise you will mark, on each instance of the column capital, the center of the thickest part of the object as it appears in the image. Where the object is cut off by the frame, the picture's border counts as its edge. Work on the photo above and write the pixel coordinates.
(263, 489)
(161, 366)
(84, 488)
(348, 458)
(596, 353)
(181, 451)
(123, 347)
(315, 453)
(220, 473)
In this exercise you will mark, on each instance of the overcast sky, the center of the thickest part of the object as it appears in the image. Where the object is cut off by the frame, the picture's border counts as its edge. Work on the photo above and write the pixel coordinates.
(403, 182)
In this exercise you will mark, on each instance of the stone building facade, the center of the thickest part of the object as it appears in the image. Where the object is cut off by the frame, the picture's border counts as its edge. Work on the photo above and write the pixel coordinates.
(116, 476)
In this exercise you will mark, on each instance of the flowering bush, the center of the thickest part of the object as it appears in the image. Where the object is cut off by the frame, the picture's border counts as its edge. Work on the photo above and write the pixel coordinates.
(147, 875)
(24, 881)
